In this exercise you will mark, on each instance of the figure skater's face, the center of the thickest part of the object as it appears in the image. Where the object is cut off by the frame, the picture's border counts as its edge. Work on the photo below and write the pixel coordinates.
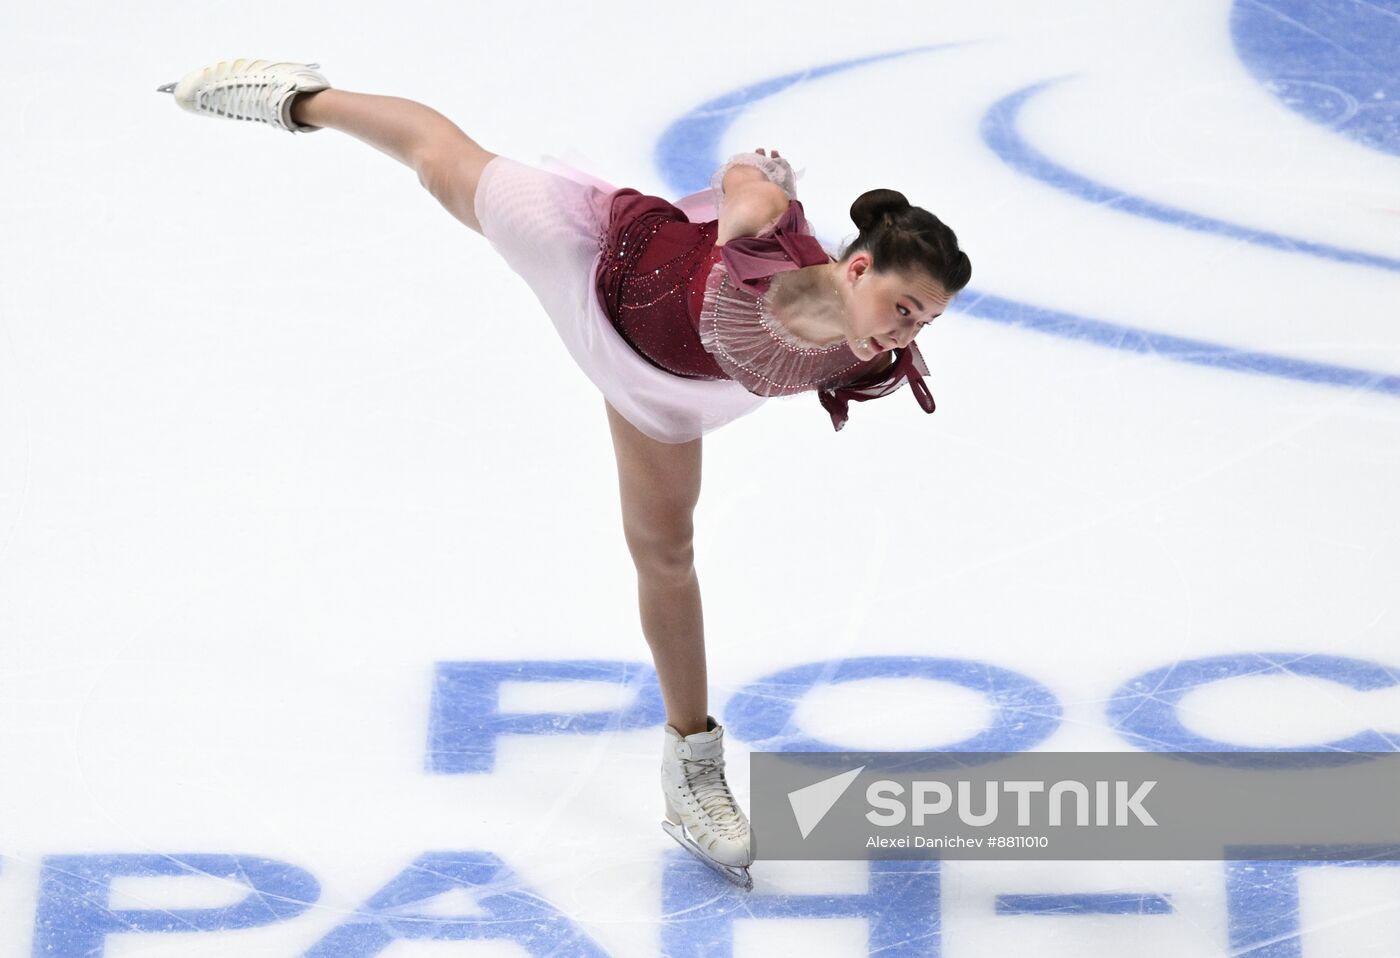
(886, 309)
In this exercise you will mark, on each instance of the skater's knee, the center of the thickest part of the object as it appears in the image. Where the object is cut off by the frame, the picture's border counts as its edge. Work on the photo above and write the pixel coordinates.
(659, 526)
(666, 551)
(451, 172)
(673, 566)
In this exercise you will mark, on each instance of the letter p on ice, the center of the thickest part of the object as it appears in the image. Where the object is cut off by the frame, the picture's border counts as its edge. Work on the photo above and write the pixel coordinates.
(466, 716)
(74, 914)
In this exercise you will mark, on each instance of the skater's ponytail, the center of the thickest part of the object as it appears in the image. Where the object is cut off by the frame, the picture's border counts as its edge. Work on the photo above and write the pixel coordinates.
(907, 239)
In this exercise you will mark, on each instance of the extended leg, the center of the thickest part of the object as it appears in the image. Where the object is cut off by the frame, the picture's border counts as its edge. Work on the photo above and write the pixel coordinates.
(447, 161)
(660, 486)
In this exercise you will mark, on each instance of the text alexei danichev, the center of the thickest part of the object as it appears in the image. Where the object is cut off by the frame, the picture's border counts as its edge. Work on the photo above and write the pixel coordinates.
(920, 841)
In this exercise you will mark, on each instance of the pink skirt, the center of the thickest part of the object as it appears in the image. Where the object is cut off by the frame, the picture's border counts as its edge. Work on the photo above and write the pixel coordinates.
(549, 228)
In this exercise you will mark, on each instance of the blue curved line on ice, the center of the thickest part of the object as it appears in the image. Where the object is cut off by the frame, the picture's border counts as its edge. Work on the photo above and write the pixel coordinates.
(1000, 133)
(688, 152)
(1179, 348)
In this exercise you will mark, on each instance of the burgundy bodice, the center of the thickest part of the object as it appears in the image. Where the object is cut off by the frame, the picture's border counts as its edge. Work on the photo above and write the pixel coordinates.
(657, 274)
(651, 281)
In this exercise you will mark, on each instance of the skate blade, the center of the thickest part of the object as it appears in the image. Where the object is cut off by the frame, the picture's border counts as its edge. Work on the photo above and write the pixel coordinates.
(731, 873)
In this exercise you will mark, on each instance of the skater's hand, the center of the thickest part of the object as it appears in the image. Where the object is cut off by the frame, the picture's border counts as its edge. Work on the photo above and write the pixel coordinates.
(780, 171)
(773, 167)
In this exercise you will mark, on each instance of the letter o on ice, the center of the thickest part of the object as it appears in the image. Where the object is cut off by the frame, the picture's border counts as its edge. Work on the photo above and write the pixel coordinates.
(1026, 712)
(1145, 710)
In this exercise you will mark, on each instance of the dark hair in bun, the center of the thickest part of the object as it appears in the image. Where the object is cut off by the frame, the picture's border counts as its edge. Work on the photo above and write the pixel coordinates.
(907, 239)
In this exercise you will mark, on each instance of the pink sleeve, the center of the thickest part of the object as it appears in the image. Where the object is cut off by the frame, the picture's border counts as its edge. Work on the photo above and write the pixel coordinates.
(703, 206)
(774, 168)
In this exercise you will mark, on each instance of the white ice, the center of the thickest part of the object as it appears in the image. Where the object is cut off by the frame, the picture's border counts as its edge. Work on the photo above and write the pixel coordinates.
(268, 457)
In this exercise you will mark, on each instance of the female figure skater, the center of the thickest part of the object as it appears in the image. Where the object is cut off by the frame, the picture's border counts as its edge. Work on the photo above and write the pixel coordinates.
(685, 316)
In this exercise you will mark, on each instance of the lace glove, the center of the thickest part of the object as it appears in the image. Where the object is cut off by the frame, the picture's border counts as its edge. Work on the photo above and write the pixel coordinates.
(774, 167)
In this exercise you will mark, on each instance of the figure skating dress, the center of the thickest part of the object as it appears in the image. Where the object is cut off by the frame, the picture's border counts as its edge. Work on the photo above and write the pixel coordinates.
(673, 330)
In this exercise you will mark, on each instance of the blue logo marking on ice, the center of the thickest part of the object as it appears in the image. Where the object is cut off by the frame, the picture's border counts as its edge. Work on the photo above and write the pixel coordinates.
(811, 802)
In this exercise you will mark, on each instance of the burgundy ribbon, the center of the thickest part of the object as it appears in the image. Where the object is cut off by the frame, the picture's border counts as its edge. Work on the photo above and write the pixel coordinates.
(908, 366)
(749, 261)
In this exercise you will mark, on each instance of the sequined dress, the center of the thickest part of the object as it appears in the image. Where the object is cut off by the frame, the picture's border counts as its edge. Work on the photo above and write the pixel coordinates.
(673, 330)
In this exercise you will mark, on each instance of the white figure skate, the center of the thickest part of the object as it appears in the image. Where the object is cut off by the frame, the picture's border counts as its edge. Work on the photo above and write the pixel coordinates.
(257, 90)
(701, 813)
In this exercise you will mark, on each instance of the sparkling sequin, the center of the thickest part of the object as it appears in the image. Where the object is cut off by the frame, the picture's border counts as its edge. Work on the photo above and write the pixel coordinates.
(650, 307)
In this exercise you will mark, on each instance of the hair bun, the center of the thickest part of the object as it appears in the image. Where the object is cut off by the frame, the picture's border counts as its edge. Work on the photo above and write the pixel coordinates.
(902, 238)
(867, 210)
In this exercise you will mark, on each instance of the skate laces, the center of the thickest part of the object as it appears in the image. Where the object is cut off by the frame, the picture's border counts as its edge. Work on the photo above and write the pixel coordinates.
(705, 777)
(242, 99)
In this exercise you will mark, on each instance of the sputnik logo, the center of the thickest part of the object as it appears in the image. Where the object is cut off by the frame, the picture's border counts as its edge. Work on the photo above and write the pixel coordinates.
(811, 802)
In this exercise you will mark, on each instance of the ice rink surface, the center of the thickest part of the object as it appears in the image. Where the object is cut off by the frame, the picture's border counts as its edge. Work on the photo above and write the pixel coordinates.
(318, 631)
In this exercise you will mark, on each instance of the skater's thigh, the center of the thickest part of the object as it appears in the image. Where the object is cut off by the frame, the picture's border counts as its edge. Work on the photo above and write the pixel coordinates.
(451, 173)
(660, 486)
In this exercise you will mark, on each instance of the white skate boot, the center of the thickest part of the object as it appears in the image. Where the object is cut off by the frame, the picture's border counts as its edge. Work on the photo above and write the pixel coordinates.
(258, 90)
(701, 813)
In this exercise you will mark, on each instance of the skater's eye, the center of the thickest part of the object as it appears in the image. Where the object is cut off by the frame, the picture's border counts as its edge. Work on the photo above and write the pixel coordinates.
(903, 311)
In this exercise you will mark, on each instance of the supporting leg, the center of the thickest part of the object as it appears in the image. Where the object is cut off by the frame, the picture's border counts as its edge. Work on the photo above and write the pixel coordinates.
(447, 161)
(673, 623)
(660, 486)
